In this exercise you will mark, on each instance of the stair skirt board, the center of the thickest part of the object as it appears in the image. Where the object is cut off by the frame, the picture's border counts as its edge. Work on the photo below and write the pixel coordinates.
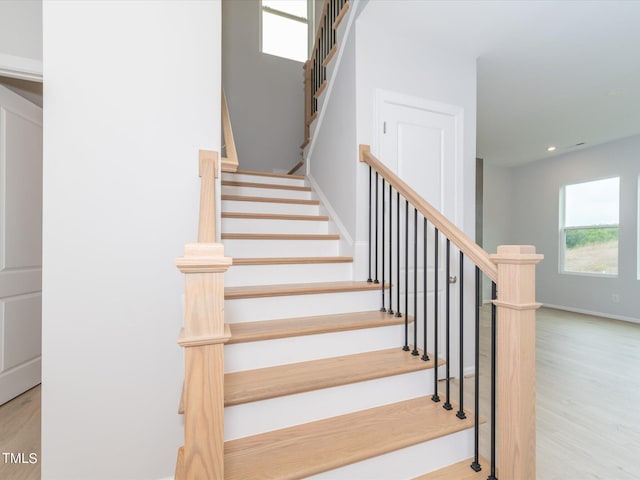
(271, 308)
(281, 351)
(241, 225)
(265, 415)
(407, 462)
(280, 248)
(265, 192)
(293, 180)
(247, 206)
(239, 275)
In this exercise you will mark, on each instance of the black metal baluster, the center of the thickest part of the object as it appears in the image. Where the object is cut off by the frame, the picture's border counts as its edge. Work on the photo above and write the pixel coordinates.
(376, 252)
(492, 476)
(369, 280)
(461, 415)
(390, 309)
(382, 309)
(415, 351)
(425, 355)
(436, 239)
(447, 327)
(476, 407)
(398, 314)
(406, 276)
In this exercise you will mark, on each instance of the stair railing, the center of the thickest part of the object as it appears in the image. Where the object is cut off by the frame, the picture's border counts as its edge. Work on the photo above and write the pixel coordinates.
(203, 337)
(230, 161)
(512, 272)
(315, 69)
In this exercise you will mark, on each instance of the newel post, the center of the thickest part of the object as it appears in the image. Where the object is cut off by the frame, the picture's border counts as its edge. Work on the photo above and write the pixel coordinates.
(203, 337)
(516, 361)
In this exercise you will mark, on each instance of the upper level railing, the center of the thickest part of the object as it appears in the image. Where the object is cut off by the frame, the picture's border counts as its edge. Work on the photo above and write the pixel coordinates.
(400, 246)
(203, 337)
(315, 69)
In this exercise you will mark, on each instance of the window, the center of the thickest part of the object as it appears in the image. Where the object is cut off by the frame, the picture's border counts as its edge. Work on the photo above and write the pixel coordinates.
(285, 28)
(589, 227)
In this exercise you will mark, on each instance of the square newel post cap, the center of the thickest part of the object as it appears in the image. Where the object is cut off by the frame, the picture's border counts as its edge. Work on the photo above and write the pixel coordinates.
(517, 254)
(517, 276)
(203, 258)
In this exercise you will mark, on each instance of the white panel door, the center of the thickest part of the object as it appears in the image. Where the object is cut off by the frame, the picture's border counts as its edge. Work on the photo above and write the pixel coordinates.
(421, 141)
(20, 244)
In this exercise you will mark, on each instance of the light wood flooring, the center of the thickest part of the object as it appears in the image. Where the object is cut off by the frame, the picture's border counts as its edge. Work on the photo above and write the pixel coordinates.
(20, 433)
(587, 396)
(588, 401)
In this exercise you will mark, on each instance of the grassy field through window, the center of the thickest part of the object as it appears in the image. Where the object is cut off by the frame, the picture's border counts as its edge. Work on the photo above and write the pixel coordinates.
(592, 250)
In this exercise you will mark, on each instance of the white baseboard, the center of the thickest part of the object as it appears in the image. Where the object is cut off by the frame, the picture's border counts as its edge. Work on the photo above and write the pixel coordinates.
(346, 241)
(591, 312)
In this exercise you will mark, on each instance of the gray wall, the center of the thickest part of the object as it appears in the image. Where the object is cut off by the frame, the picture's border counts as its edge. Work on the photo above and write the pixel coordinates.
(21, 28)
(265, 93)
(528, 213)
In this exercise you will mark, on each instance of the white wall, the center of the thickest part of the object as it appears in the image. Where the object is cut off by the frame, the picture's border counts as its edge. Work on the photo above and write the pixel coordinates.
(132, 91)
(333, 160)
(20, 37)
(265, 93)
(535, 220)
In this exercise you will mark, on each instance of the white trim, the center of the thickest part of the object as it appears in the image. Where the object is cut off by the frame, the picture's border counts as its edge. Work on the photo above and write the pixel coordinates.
(593, 313)
(346, 241)
(20, 67)
(351, 13)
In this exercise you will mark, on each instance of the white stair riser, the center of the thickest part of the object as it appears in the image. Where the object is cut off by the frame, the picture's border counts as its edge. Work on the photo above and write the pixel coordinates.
(408, 462)
(280, 248)
(292, 306)
(269, 207)
(281, 351)
(253, 225)
(241, 177)
(239, 275)
(265, 192)
(266, 415)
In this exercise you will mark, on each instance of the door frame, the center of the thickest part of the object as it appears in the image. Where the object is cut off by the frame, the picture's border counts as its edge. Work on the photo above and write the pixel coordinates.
(383, 97)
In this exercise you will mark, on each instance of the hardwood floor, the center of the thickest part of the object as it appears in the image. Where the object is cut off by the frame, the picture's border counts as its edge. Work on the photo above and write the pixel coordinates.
(20, 434)
(588, 401)
(587, 396)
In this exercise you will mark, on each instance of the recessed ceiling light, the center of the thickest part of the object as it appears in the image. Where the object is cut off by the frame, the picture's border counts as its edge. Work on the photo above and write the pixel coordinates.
(551, 148)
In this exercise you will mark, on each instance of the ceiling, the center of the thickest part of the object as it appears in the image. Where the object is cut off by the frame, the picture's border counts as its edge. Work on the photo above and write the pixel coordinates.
(549, 72)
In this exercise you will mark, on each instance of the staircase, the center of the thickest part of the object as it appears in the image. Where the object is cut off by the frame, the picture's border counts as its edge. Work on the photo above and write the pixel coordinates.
(316, 384)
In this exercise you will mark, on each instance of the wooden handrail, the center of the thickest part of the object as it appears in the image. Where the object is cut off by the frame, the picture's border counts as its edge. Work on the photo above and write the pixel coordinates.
(460, 239)
(208, 171)
(230, 162)
(296, 167)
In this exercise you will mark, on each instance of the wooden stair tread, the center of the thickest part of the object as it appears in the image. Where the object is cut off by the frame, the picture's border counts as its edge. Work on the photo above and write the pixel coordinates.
(290, 260)
(275, 216)
(255, 291)
(271, 382)
(234, 183)
(295, 327)
(308, 449)
(245, 198)
(280, 236)
(267, 174)
(459, 471)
